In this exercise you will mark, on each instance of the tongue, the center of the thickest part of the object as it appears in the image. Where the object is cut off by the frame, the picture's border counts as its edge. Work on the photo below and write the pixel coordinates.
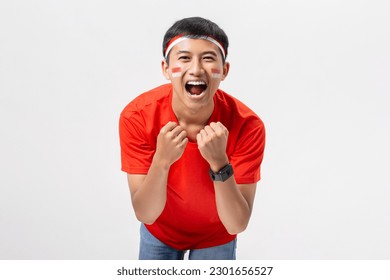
(196, 90)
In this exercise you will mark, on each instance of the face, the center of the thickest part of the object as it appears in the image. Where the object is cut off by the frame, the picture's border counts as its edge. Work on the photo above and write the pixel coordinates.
(195, 69)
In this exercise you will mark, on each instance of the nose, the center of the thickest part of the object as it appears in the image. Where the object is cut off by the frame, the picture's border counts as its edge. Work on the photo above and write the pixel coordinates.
(196, 68)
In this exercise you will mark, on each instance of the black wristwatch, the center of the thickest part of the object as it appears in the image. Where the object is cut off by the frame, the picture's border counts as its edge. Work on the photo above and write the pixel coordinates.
(222, 175)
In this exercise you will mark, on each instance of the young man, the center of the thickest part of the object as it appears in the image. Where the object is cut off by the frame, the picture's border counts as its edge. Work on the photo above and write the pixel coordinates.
(191, 151)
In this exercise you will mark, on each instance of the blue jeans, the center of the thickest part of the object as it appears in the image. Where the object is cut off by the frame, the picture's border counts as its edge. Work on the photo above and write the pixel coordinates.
(153, 249)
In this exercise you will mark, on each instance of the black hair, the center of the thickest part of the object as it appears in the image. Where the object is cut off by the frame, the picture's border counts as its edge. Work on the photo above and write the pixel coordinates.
(195, 27)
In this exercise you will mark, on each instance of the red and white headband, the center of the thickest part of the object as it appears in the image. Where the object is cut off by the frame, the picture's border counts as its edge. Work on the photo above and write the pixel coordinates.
(180, 38)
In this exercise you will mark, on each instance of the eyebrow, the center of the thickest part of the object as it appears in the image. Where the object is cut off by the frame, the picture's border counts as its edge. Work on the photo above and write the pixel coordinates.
(213, 53)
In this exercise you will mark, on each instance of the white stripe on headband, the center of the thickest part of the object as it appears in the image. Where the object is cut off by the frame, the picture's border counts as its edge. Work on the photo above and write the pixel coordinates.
(181, 39)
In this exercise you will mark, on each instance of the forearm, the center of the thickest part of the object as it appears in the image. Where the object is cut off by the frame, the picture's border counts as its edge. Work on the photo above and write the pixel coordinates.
(149, 193)
(150, 198)
(233, 209)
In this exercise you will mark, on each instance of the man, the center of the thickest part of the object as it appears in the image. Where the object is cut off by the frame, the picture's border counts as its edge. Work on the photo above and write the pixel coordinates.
(191, 151)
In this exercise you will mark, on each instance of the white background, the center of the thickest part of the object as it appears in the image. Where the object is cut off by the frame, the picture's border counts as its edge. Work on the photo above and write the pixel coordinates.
(317, 73)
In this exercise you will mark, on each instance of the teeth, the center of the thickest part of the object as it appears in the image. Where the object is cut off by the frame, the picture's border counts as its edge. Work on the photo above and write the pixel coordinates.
(196, 83)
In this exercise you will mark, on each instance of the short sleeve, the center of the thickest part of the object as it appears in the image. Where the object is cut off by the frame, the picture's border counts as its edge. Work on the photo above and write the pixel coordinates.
(136, 149)
(248, 153)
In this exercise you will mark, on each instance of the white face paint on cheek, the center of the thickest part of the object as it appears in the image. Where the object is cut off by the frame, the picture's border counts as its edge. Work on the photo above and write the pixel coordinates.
(176, 72)
(216, 73)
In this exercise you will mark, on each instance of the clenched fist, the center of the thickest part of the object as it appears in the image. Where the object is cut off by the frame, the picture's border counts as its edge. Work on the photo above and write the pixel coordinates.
(171, 142)
(212, 141)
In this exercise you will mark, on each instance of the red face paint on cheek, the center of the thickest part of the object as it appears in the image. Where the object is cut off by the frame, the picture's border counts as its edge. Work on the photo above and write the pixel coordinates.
(215, 73)
(176, 72)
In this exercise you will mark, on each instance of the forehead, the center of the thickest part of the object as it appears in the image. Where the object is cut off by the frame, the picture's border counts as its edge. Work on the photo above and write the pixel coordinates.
(195, 46)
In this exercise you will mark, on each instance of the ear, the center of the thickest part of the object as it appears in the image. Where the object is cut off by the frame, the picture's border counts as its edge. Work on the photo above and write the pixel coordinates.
(165, 69)
(226, 68)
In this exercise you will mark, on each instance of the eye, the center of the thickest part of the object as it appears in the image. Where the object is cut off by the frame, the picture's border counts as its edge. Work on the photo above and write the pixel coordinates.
(208, 58)
(184, 57)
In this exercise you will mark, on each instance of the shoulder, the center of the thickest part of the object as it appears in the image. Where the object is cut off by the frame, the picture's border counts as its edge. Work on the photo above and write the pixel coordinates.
(148, 101)
(235, 111)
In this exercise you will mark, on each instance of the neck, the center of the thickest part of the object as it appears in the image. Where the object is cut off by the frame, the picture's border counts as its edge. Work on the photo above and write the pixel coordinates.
(194, 113)
(196, 117)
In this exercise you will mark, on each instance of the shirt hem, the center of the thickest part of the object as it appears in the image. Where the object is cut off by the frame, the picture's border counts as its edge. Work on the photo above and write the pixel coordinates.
(247, 180)
(134, 170)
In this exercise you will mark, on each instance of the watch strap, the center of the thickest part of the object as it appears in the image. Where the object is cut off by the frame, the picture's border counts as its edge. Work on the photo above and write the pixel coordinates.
(223, 174)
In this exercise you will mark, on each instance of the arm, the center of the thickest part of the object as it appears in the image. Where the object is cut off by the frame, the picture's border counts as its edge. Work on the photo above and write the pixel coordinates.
(234, 202)
(148, 192)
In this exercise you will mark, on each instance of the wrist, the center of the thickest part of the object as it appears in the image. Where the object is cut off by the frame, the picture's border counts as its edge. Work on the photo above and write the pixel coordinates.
(223, 174)
(217, 166)
(161, 164)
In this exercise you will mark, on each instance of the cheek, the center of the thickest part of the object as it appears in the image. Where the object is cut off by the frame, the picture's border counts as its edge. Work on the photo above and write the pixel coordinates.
(216, 73)
(176, 72)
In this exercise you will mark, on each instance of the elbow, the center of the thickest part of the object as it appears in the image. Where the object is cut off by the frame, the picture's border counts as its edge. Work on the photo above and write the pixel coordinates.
(236, 229)
(146, 218)
(146, 215)
(146, 221)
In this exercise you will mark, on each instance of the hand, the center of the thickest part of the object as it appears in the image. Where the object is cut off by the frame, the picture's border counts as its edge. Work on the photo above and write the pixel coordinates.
(212, 141)
(171, 142)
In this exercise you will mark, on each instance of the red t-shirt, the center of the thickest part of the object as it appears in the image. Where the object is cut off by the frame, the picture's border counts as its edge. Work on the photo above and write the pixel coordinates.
(190, 219)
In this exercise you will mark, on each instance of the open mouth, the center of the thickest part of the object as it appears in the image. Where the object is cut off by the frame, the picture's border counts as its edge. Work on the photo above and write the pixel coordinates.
(196, 87)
